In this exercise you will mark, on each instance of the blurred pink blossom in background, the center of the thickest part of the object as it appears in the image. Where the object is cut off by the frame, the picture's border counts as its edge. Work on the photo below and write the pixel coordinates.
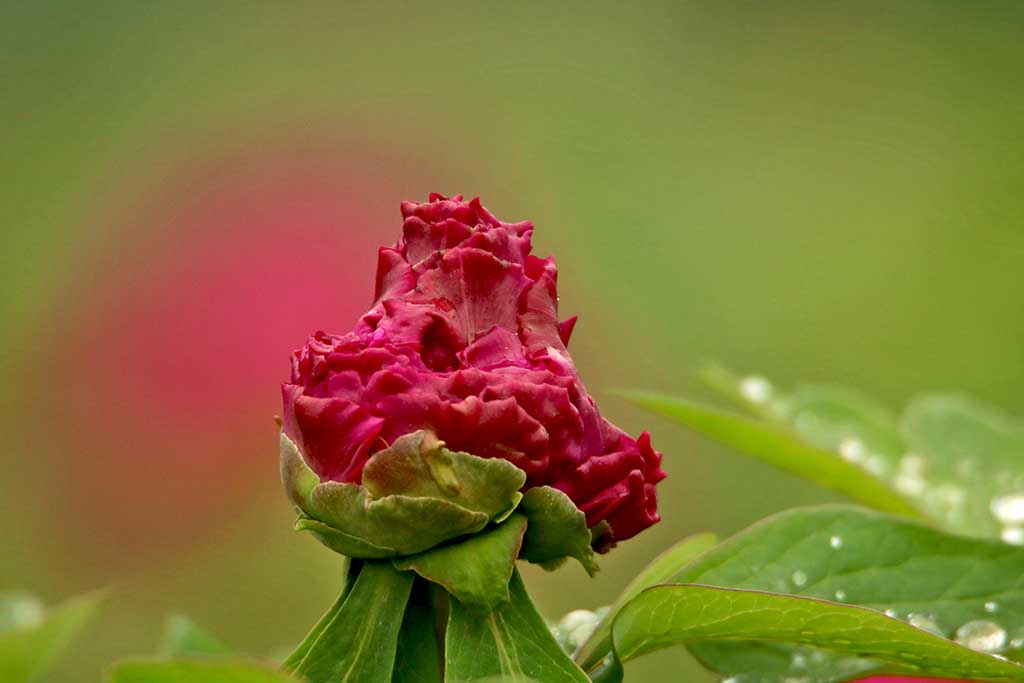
(172, 348)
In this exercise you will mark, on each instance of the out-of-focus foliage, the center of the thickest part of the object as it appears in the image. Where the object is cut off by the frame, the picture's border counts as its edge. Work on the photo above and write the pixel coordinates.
(32, 638)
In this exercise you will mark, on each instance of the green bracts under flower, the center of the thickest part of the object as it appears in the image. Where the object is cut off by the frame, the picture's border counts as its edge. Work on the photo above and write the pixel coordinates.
(415, 495)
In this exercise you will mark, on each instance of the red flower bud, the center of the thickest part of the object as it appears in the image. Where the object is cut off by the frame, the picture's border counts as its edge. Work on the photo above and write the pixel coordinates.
(463, 339)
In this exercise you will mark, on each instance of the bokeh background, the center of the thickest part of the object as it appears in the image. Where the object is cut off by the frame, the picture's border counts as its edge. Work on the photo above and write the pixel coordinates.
(826, 191)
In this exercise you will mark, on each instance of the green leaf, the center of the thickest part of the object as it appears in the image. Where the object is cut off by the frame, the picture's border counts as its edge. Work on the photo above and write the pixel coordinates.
(955, 459)
(669, 615)
(417, 494)
(183, 637)
(349, 571)
(512, 643)
(360, 637)
(557, 530)
(30, 641)
(970, 465)
(781, 448)
(154, 671)
(663, 569)
(475, 570)
(844, 554)
(419, 656)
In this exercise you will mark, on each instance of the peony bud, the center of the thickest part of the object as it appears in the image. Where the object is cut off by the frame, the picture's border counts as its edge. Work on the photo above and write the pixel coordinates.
(462, 343)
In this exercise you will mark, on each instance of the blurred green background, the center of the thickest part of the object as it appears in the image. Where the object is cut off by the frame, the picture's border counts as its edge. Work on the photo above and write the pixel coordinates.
(813, 190)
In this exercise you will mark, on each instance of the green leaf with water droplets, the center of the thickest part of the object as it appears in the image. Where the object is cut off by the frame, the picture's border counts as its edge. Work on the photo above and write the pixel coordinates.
(958, 461)
(32, 638)
(663, 569)
(781, 447)
(664, 616)
(843, 554)
(970, 462)
(510, 644)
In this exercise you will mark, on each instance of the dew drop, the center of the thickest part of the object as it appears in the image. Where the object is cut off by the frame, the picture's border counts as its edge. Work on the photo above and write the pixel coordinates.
(756, 388)
(948, 495)
(1014, 535)
(891, 613)
(799, 578)
(910, 484)
(912, 464)
(852, 449)
(991, 607)
(876, 465)
(1009, 509)
(836, 542)
(20, 610)
(925, 623)
(840, 595)
(1017, 639)
(982, 636)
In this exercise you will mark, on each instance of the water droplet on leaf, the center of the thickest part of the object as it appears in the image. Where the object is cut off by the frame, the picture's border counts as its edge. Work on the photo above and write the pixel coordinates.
(852, 449)
(755, 388)
(1009, 509)
(925, 623)
(1014, 535)
(982, 636)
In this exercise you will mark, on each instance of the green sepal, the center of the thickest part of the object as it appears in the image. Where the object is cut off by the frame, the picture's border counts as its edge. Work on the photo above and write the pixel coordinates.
(402, 523)
(419, 466)
(557, 530)
(416, 494)
(339, 541)
(512, 643)
(477, 570)
(357, 639)
(298, 479)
